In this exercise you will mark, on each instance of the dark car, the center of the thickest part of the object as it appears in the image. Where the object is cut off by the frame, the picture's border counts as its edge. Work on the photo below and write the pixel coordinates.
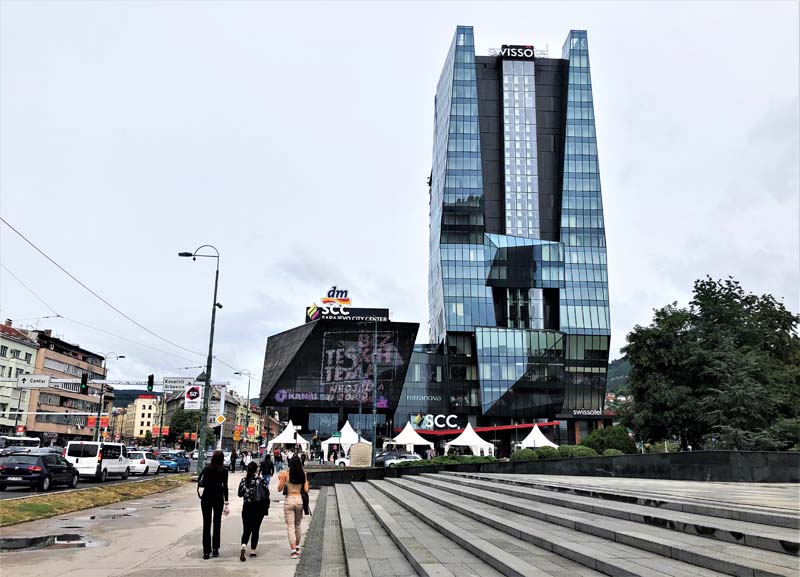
(37, 471)
(380, 459)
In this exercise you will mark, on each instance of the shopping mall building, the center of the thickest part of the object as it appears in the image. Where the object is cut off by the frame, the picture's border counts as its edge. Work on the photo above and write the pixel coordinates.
(518, 284)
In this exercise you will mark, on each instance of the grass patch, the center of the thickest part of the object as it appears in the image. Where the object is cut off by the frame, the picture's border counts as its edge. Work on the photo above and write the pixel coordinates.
(43, 506)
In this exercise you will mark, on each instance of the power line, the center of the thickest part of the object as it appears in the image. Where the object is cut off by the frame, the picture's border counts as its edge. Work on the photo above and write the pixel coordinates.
(30, 290)
(104, 301)
(101, 299)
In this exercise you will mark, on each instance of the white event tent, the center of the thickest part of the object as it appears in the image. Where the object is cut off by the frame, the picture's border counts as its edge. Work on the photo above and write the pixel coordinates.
(469, 438)
(290, 437)
(347, 438)
(536, 439)
(409, 438)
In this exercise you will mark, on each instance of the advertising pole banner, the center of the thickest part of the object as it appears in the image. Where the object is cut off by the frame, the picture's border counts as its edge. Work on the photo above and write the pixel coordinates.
(193, 397)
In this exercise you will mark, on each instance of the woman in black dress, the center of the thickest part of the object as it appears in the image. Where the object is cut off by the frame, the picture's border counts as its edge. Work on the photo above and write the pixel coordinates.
(255, 492)
(213, 501)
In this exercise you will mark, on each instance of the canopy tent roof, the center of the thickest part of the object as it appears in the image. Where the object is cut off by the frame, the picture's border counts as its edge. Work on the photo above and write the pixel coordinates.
(409, 436)
(469, 438)
(347, 438)
(289, 436)
(537, 439)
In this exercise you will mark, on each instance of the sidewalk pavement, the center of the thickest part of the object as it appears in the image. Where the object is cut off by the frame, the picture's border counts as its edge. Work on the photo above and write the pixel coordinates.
(153, 535)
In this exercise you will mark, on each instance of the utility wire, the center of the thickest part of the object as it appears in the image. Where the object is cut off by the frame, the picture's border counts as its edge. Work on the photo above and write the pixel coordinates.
(30, 290)
(104, 301)
(101, 299)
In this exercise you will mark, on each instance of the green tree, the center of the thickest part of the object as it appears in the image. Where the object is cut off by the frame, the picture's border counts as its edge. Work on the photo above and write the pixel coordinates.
(725, 371)
(148, 438)
(183, 421)
(610, 438)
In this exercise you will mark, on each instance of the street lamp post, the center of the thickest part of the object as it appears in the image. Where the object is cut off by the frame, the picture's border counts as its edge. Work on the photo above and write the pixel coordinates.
(247, 415)
(103, 391)
(201, 437)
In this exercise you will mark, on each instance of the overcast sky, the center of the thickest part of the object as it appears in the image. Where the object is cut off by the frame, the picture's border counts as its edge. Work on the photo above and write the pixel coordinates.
(296, 137)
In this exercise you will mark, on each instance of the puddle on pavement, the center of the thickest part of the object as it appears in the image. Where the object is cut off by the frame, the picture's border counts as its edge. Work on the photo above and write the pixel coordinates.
(60, 541)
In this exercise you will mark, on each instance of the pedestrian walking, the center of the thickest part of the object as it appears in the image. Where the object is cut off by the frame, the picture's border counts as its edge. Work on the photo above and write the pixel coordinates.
(267, 469)
(294, 483)
(242, 461)
(248, 458)
(278, 461)
(255, 492)
(213, 501)
(233, 460)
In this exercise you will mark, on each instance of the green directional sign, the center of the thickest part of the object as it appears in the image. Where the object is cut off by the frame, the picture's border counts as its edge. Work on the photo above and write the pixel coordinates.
(336, 434)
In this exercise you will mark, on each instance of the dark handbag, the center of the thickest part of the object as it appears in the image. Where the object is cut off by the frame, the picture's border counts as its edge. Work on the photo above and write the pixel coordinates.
(260, 495)
(306, 505)
(201, 483)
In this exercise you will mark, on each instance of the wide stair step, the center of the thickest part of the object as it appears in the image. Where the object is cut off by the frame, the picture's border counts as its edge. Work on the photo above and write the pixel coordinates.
(769, 538)
(432, 554)
(518, 516)
(368, 550)
(460, 518)
(773, 516)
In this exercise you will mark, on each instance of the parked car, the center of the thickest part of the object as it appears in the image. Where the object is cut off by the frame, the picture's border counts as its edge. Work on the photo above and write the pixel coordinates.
(402, 457)
(194, 454)
(167, 463)
(343, 462)
(38, 471)
(143, 462)
(98, 460)
(179, 457)
(381, 458)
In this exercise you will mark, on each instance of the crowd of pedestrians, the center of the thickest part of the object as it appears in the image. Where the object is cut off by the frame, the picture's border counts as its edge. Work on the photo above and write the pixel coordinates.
(212, 488)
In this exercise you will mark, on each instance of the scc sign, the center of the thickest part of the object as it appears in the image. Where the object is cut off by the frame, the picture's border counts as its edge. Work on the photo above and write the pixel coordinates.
(437, 422)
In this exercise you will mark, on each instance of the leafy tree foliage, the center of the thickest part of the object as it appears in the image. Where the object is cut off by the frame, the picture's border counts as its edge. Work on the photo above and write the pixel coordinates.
(610, 438)
(612, 452)
(183, 421)
(148, 438)
(723, 372)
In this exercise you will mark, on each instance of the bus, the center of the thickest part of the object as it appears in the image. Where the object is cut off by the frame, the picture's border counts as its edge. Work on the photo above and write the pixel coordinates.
(8, 443)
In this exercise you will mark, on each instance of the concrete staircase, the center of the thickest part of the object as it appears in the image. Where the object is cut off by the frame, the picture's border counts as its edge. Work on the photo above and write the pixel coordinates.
(452, 525)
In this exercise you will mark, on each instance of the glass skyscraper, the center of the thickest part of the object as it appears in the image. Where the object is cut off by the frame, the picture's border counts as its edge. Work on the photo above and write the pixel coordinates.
(518, 283)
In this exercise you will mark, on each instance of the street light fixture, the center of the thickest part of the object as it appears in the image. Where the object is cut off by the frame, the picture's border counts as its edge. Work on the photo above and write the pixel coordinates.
(103, 391)
(247, 415)
(201, 440)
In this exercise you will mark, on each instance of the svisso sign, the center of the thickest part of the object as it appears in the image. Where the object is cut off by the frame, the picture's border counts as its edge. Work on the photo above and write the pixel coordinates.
(513, 51)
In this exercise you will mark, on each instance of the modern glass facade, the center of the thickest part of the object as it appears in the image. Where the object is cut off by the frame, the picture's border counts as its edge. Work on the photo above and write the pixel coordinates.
(518, 279)
(519, 319)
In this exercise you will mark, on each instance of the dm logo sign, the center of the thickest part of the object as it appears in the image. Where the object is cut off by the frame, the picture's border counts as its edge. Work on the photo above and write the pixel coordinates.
(334, 304)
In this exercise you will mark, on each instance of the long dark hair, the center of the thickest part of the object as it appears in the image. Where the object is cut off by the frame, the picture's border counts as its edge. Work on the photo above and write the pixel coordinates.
(251, 470)
(217, 461)
(296, 474)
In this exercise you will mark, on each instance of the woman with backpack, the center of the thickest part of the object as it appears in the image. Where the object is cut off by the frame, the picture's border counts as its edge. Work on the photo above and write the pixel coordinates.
(294, 484)
(213, 501)
(255, 493)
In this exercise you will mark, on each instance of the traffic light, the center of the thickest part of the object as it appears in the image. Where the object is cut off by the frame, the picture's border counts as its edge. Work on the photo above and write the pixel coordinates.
(85, 383)
(150, 379)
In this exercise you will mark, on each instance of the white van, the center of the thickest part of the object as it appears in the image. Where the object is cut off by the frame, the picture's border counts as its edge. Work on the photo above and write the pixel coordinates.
(98, 460)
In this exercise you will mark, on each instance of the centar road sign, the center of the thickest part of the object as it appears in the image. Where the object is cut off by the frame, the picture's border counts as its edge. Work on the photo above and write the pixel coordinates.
(33, 381)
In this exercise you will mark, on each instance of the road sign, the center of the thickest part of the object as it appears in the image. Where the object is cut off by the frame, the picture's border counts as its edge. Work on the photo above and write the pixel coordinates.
(104, 421)
(33, 381)
(91, 421)
(193, 397)
(20, 429)
(237, 436)
(175, 384)
(336, 434)
(220, 419)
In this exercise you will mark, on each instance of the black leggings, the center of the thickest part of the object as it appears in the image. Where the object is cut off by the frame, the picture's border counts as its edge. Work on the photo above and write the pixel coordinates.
(252, 516)
(208, 506)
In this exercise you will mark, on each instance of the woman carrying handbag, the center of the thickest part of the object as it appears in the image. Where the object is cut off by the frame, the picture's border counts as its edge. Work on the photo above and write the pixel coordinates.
(295, 486)
(255, 492)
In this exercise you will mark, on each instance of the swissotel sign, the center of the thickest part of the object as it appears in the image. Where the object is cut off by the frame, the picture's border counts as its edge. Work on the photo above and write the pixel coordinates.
(511, 51)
